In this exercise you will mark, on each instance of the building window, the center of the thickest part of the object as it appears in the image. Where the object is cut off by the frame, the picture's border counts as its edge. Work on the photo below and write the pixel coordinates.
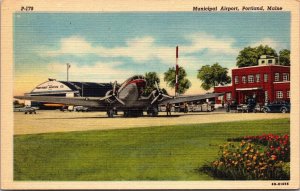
(286, 77)
(288, 94)
(279, 94)
(250, 79)
(276, 77)
(236, 79)
(265, 77)
(244, 80)
(270, 61)
(257, 77)
(266, 96)
(228, 96)
(262, 61)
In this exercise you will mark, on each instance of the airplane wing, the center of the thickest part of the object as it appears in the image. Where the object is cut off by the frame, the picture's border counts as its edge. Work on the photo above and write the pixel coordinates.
(82, 101)
(190, 98)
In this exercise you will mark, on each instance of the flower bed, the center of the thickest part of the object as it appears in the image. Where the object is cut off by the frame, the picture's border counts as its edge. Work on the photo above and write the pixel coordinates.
(278, 147)
(255, 158)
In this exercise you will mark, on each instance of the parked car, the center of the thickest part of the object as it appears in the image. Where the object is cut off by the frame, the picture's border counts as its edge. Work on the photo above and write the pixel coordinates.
(74, 108)
(81, 108)
(258, 108)
(277, 106)
(67, 108)
(246, 108)
(26, 109)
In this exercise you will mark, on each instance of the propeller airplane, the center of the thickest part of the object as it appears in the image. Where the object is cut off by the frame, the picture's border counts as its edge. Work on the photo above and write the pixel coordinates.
(127, 98)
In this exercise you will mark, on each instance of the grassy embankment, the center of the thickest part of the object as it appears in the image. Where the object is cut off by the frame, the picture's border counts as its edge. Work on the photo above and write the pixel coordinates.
(153, 153)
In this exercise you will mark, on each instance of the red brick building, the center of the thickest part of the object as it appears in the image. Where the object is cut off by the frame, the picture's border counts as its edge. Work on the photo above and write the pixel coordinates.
(266, 82)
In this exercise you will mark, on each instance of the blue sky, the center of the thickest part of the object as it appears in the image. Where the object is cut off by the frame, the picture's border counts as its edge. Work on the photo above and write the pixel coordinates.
(104, 47)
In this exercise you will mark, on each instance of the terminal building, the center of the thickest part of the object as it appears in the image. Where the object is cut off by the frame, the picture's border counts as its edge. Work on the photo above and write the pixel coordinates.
(266, 82)
(67, 89)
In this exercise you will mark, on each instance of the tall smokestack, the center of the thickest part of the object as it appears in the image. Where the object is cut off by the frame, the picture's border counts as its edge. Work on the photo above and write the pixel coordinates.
(176, 74)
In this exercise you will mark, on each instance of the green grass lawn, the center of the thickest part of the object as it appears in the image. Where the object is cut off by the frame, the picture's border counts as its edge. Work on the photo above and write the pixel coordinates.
(153, 153)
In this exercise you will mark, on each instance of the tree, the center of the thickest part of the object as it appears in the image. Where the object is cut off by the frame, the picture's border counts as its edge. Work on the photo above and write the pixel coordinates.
(249, 56)
(213, 75)
(265, 50)
(284, 57)
(183, 83)
(16, 102)
(151, 78)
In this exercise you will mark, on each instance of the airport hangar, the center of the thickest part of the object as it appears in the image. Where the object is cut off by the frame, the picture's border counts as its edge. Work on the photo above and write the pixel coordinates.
(66, 89)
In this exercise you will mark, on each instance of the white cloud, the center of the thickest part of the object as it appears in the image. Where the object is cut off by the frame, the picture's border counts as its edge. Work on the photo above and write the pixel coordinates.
(201, 41)
(271, 43)
(142, 49)
(100, 72)
(73, 45)
(139, 49)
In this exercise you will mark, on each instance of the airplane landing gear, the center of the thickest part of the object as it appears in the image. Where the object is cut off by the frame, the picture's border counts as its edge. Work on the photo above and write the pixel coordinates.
(133, 113)
(153, 112)
(110, 113)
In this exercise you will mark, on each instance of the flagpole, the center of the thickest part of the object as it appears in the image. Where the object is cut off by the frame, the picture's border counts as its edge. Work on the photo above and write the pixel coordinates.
(176, 74)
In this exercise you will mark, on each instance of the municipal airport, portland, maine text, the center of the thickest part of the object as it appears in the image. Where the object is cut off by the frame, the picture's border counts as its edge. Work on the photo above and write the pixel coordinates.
(242, 8)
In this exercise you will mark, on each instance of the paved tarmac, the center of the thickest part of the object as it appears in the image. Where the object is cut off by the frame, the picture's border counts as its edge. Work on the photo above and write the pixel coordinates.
(57, 121)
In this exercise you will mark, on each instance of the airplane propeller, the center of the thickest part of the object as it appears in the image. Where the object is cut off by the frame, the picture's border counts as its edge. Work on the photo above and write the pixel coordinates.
(113, 94)
(160, 94)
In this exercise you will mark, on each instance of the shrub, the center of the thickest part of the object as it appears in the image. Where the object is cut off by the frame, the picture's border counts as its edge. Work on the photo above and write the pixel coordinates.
(246, 161)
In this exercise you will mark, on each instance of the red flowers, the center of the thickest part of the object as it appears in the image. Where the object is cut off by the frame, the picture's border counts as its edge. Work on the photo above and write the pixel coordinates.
(276, 145)
(273, 157)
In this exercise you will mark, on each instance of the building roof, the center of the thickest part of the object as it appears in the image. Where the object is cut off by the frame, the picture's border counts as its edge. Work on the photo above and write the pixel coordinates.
(272, 65)
(84, 89)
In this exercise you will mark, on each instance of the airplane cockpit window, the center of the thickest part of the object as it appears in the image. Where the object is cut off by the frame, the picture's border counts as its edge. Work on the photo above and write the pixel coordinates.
(136, 77)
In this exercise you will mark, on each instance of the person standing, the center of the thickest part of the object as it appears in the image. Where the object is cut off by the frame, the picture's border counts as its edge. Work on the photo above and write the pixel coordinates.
(185, 107)
(228, 107)
(168, 108)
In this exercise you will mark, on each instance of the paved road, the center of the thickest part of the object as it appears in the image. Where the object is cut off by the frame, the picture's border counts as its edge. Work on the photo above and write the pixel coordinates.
(57, 121)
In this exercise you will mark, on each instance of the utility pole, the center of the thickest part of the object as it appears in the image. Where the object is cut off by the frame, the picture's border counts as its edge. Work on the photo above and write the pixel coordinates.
(68, 67)
(81, 89)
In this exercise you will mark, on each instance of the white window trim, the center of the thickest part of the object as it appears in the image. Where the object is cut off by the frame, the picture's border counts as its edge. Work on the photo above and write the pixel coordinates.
(266, 76)
(244, 79)
(276, 77)
(257, 76)
(251, 78)
(236, 79)
(285, 77)
(279, 94)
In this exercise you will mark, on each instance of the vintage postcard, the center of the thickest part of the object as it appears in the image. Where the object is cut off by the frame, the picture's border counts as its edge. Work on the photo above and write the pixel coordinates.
(138, 94)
